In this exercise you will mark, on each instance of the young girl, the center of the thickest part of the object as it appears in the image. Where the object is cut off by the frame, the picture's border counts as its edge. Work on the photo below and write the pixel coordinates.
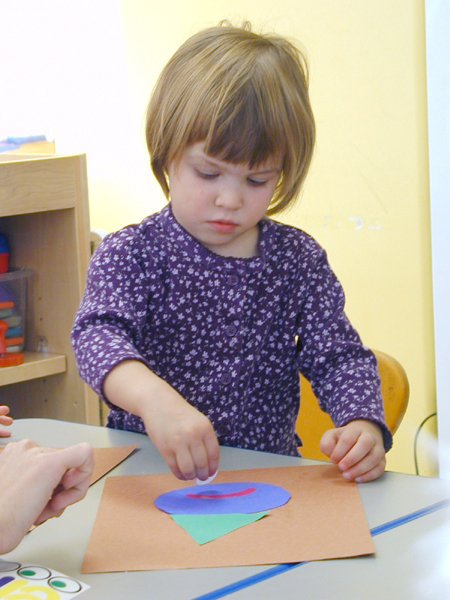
(195, 323)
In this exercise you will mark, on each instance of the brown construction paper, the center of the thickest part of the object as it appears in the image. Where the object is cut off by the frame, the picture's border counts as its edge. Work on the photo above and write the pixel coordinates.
(323, 519)
(106, 459)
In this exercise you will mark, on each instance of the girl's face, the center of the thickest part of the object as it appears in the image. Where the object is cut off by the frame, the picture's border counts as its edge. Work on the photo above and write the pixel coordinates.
(220, 203)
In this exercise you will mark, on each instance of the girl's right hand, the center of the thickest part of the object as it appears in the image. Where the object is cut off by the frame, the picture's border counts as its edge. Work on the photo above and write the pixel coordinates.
(184, 437)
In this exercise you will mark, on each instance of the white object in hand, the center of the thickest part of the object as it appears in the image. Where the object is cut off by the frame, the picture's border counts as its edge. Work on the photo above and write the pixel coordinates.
(200, 482)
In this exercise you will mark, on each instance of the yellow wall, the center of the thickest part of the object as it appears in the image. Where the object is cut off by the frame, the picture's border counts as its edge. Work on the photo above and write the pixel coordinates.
(366, 199)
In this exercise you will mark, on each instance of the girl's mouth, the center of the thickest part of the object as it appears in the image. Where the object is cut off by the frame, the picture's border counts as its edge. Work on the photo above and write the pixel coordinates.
(223, 226)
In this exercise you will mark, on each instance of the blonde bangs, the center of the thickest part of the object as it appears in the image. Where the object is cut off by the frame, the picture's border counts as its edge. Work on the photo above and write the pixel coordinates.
(242, 94)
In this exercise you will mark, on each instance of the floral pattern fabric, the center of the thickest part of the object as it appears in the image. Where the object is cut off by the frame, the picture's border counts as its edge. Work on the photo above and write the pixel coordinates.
(229, 334)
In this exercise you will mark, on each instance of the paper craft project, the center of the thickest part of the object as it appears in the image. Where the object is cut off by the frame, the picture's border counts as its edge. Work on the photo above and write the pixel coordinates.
(324, 518)
(211, 511)
(35, 582)
(223, 498)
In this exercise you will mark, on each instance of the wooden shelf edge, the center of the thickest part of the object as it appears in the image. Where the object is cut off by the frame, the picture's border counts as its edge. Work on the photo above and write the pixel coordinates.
(35, 365)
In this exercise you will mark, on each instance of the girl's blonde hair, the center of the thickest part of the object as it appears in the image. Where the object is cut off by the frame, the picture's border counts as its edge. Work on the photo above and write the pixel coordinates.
(244, 95)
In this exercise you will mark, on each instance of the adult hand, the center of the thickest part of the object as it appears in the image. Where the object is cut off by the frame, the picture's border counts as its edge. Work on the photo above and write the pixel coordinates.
(357, 448)
(38, 483)
(4, 420)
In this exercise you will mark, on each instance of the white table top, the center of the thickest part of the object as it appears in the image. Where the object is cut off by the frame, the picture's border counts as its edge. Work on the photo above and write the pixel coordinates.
(412, 561)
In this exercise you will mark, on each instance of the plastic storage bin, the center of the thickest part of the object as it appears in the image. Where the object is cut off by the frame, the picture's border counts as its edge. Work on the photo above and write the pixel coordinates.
(13, 305)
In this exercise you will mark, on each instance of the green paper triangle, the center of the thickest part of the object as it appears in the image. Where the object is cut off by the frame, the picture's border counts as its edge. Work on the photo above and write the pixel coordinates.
(205, 528)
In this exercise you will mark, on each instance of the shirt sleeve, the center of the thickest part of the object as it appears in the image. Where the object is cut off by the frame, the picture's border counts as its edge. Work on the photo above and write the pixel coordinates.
(112, 313)
(342, 371)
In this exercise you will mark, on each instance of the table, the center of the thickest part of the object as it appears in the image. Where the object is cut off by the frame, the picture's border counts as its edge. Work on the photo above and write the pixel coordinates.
(412, 561)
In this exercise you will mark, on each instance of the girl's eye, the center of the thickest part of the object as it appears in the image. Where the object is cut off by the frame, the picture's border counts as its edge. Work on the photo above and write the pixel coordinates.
(204, 175)
(256, 182)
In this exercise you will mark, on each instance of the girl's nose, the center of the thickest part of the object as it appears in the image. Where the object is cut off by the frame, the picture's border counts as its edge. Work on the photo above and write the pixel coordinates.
(230, 198)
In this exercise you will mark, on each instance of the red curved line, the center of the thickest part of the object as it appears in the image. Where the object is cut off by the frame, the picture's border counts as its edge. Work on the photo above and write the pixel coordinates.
(231, 495)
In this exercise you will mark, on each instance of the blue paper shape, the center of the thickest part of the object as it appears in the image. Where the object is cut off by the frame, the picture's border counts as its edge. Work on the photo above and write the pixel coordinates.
(223, 498)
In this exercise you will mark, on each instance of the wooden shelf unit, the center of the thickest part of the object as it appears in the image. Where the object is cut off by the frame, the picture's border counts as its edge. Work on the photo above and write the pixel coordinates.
(44, 213)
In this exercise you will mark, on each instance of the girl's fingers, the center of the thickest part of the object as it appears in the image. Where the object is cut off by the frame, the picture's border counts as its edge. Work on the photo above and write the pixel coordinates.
(371, 466)
(213, 452)
(372, 474)
(368, 474)
(185, 464)
(357, 448)
(328, 441)
(171, 461)
(4, 420)
(347, 440)
(201, 461)
(356, 453)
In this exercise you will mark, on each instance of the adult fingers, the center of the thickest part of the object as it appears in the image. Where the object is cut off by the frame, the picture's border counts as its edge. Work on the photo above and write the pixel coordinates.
(18, 448)
(48, 513)
(80, 462)
(64, 498)
(76, 463)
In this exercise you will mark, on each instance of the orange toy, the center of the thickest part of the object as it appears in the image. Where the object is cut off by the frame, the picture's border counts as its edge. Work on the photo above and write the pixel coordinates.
(8, 359)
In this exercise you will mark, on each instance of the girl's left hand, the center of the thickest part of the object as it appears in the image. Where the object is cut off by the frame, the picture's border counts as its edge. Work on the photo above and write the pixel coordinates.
(357, 448)
(4, 420)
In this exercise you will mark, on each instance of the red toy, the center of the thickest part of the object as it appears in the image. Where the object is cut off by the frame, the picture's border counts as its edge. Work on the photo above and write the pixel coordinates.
(8, 359)
(4, 254)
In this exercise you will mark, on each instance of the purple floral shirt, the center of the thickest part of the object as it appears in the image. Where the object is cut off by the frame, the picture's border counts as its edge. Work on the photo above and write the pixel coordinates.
(229, 334)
